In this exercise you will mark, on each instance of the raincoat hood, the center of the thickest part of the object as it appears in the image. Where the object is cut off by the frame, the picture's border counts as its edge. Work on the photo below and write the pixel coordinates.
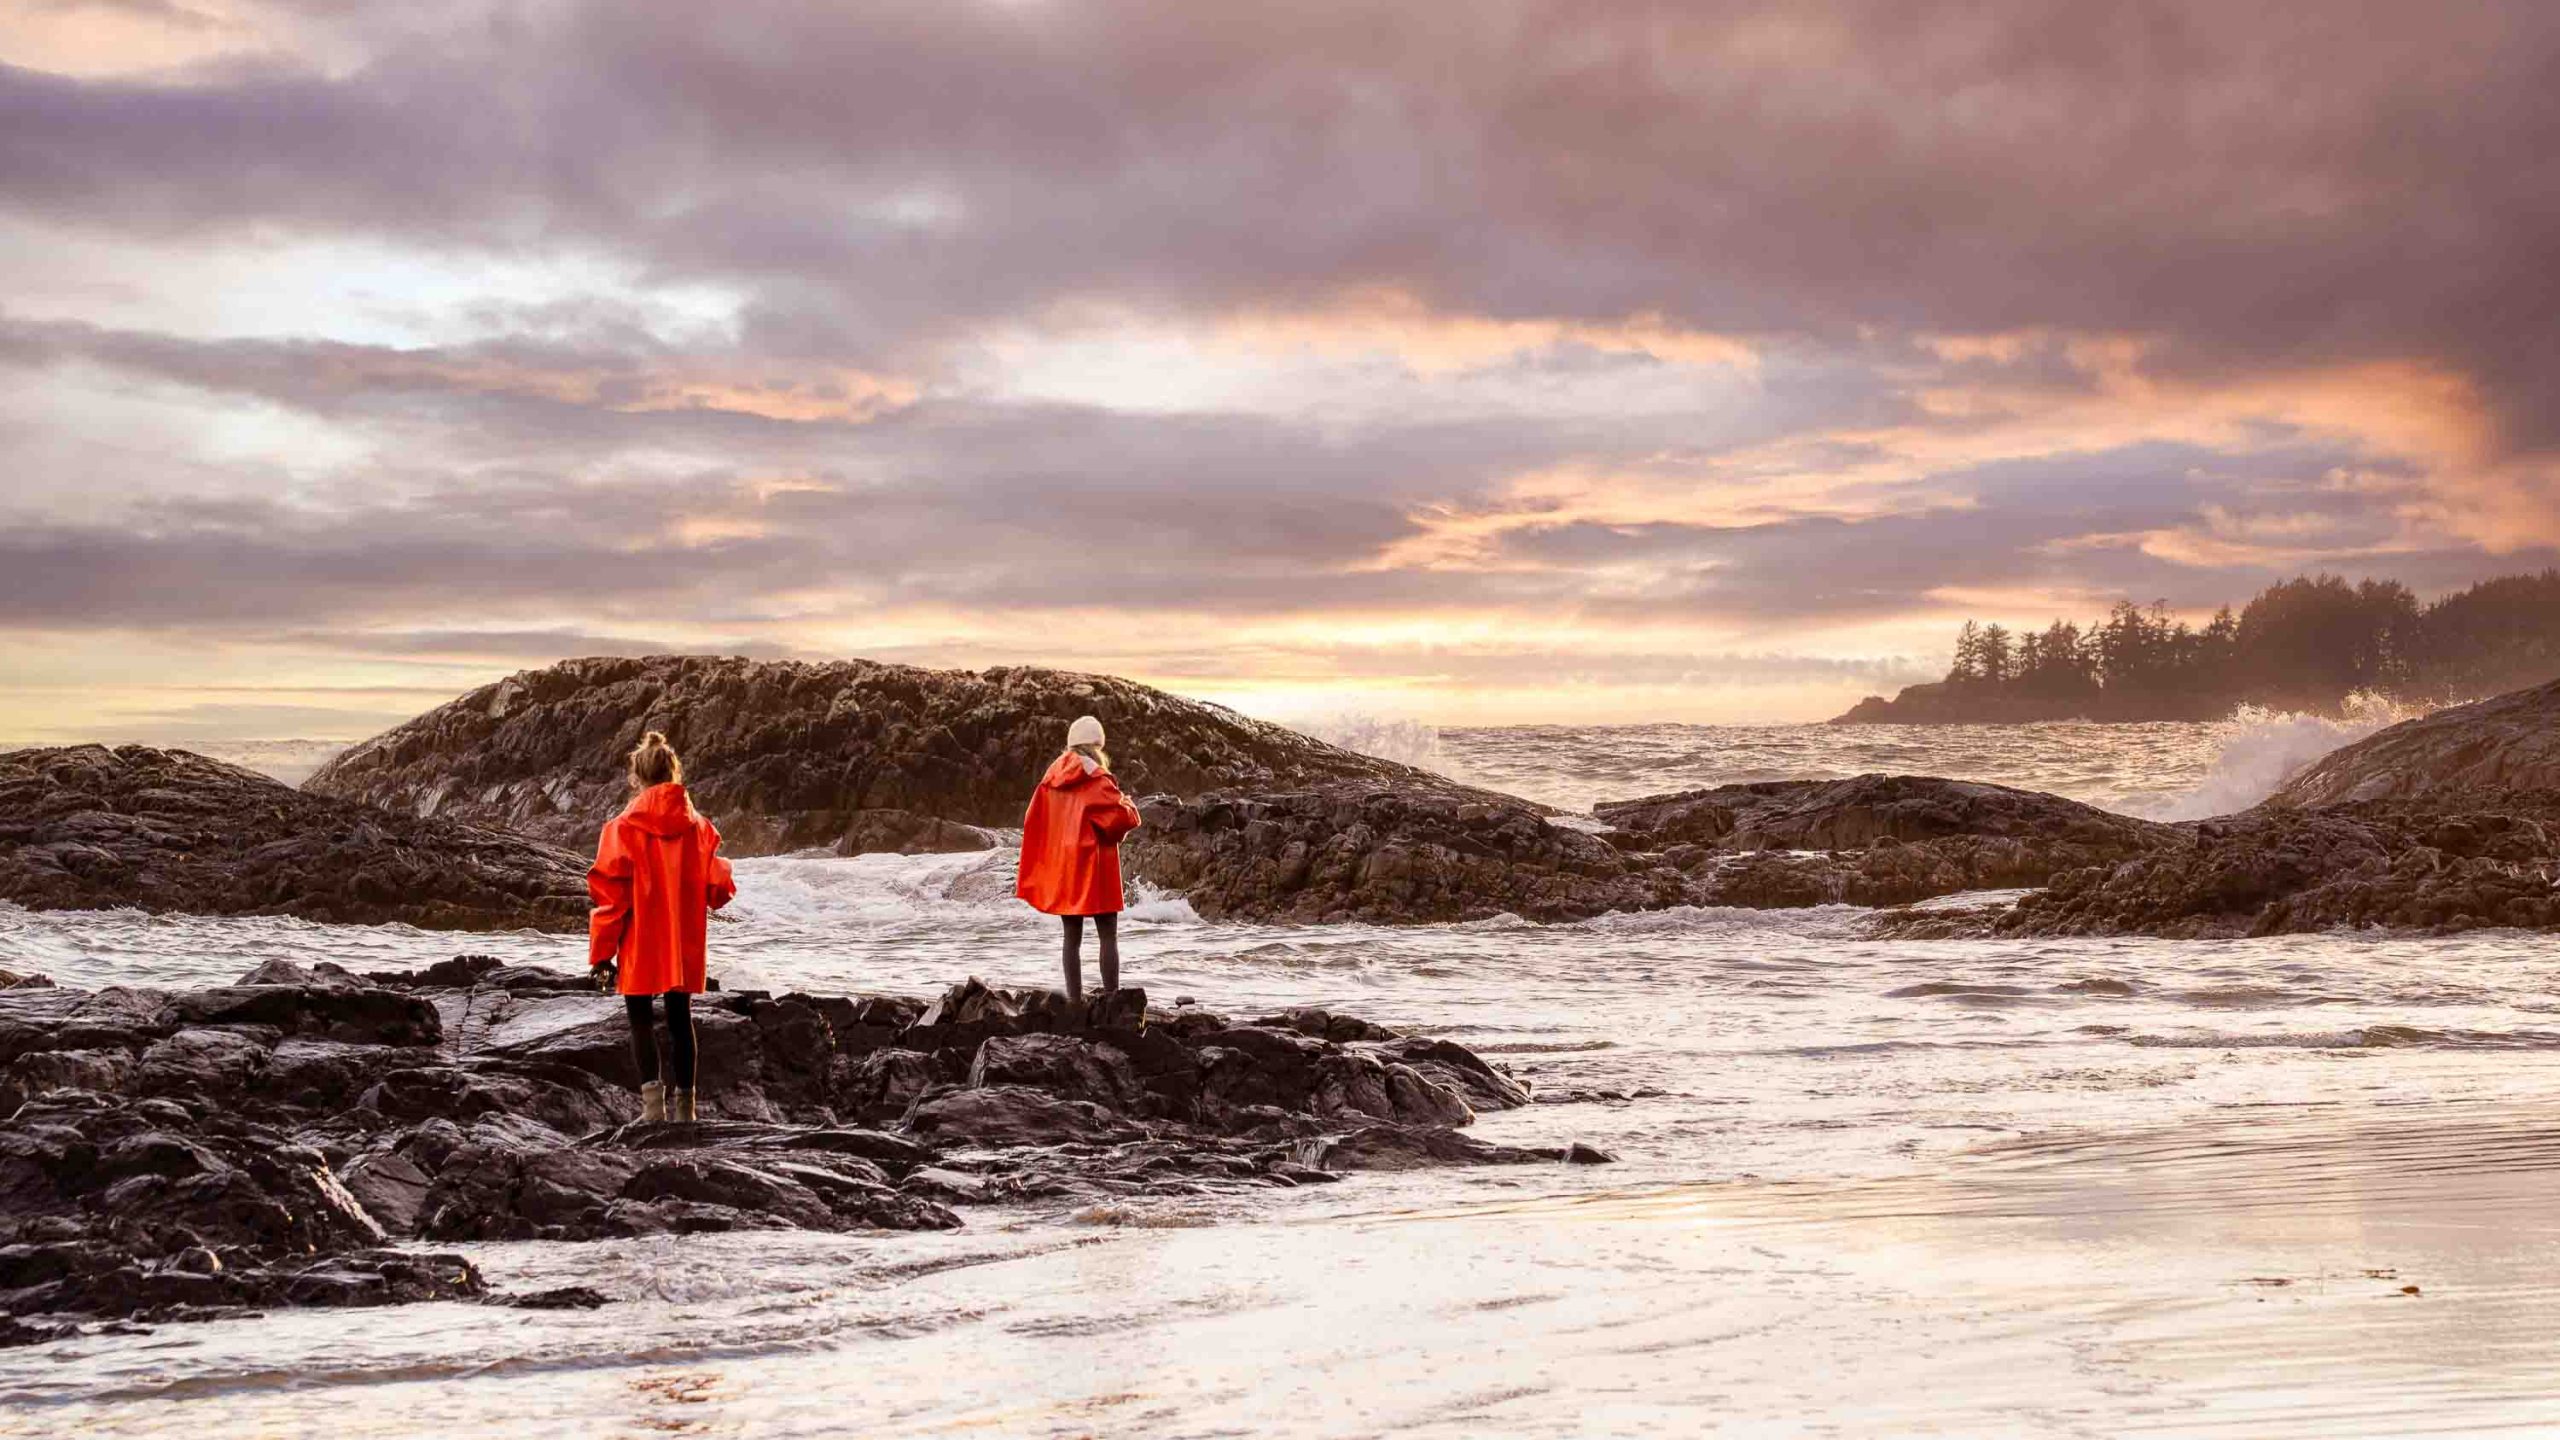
(1068, 771)
(662, 810)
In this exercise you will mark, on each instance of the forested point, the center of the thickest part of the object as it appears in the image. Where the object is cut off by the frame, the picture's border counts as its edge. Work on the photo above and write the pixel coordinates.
(2306, 644)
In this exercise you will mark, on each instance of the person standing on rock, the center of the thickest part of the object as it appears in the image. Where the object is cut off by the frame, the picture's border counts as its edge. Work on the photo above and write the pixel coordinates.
(658, 876)
(1071, 851)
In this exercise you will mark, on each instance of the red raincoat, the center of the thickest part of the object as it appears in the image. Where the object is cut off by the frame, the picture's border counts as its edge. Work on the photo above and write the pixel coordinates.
(1071, 840)
(658, 876)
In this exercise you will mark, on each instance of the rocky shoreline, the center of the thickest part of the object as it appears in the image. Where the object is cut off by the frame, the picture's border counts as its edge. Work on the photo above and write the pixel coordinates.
(300, 1138)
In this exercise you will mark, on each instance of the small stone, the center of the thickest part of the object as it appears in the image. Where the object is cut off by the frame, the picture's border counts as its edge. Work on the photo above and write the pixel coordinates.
(564, 1297)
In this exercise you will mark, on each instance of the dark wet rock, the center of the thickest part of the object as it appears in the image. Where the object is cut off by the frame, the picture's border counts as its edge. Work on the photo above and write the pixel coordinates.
(2398, 865)
(205, 1064)
(36, 1073)
(563, 1098)
(335, 1010)
(1416, 1147)
(391, 1187)
(851, 755)
(327, 975)
(88, 827)
(1871, 840)
(666, 1179)
(563, 1297)
(1373, 852)
(1855, 813)
(2480, 756)
(53, 1020)
(172, 1156)
(1459, 1068)
(153, 1209)
(1325, 1025)
(2442, 824)
(1061, 1065)
(12, 980)
(1386, 852)
(1011, 1115)
(882, 1084)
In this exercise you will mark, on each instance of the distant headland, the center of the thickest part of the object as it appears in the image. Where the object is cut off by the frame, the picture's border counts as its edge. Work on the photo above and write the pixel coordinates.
(2306, 644)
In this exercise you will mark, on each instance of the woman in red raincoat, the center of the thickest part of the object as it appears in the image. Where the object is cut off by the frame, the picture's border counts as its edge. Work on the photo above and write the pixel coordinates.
(1071, 850)
(658, 876)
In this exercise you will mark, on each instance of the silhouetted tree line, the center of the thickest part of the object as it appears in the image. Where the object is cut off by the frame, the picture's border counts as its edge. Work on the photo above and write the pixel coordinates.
(2303, 644)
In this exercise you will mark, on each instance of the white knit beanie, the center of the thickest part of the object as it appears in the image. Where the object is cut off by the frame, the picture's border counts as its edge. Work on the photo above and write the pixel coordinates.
(1086, 731)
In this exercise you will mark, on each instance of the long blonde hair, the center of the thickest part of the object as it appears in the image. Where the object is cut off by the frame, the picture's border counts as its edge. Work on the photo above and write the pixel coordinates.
(1100, 757)
(655, 762)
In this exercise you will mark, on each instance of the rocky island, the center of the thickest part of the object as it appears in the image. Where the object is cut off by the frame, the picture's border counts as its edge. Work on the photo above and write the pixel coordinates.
(852, 756)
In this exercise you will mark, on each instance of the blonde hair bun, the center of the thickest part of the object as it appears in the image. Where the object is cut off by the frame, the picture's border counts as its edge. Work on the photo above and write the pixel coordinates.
(655, 762)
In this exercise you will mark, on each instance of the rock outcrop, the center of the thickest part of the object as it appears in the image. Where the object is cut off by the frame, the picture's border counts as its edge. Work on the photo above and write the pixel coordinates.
(2389, 864)
(172, 1155)
(2465, 757)
(854, 756)
(2442, 824)
(1382, 854)
(1387, 854)
(1856, 813)
(1870, 840)
(88, 827)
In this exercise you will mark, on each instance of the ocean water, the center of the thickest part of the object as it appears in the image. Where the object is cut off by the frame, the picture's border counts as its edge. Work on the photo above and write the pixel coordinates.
(2094, 1187)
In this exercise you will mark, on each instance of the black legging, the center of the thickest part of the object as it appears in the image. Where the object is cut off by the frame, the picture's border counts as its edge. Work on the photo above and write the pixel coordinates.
(1107, 929)
(644, 1040)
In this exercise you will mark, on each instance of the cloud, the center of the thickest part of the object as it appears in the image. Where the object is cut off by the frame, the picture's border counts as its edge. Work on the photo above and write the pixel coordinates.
(1611, 327)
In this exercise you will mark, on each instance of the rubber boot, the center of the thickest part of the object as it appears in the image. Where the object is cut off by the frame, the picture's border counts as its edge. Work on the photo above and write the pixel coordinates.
(653, 1104)
(680, 1107)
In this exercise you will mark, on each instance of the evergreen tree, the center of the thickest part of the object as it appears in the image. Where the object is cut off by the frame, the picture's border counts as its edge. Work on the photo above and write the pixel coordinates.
(1968, 667)
(1995, 658)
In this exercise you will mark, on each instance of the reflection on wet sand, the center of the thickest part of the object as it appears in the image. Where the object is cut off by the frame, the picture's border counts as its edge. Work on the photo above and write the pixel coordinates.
(2308, 1269)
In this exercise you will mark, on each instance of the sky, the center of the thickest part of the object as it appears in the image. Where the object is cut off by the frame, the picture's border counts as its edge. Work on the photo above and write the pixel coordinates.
(1500, 362)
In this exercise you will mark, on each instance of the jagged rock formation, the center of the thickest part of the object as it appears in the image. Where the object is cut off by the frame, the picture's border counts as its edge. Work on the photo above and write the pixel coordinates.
(2397, 864)
(1860, 812)
(1379, 853)
(853, 755)
(1870, 840)
(2446, 823)
(170, 1155)
(2465, 757)
(2443, 824)
(1384, 853)
(88, 827)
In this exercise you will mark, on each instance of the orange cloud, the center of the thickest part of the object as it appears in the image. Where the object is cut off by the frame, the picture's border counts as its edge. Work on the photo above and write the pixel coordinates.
(2417, 412)
(94, 41)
